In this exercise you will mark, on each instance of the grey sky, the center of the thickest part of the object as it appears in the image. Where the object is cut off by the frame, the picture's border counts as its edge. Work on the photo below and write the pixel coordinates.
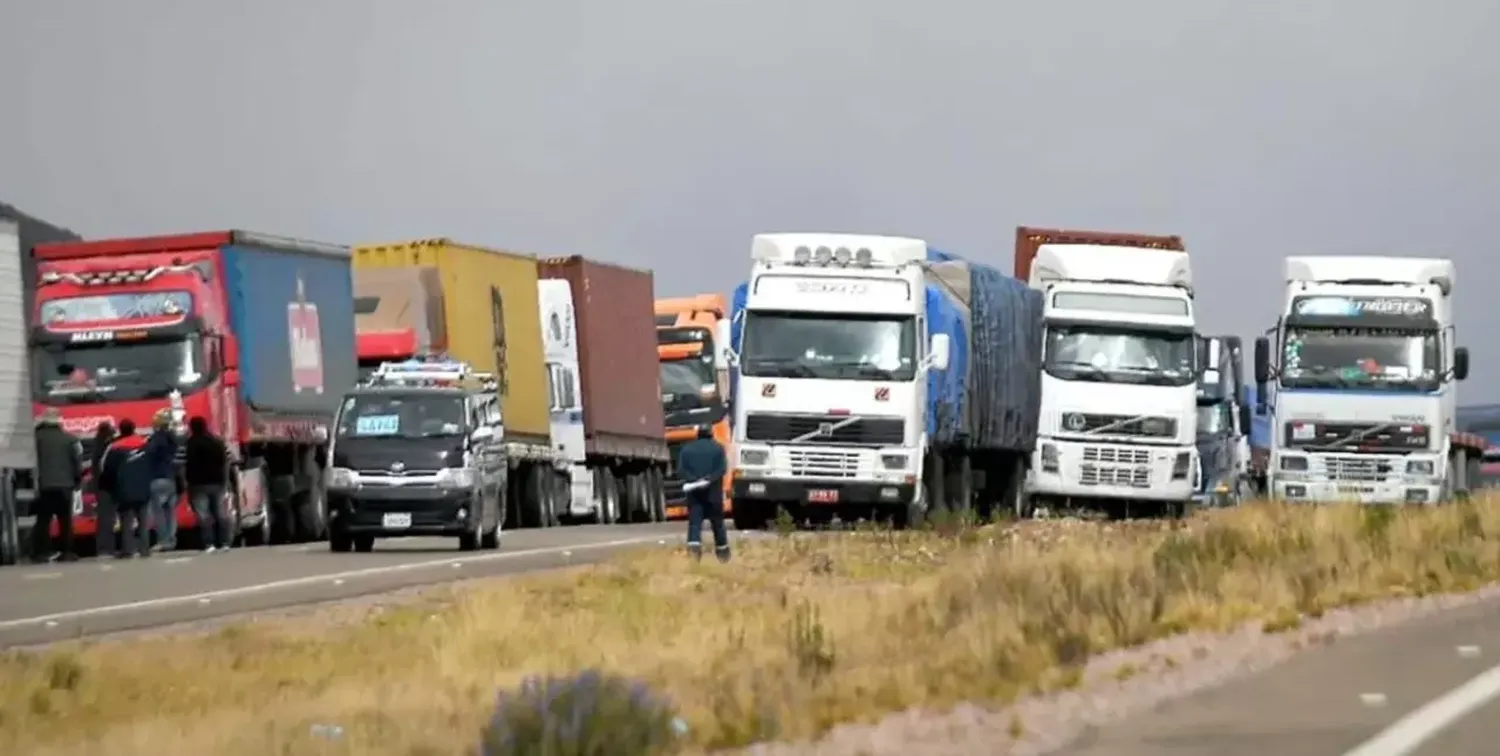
(663, 133)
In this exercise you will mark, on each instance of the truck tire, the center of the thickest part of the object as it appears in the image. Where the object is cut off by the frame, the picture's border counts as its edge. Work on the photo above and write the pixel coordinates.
(607, 495)
(631, 499)
(534, 499)
(10, 532)
(750, 515)
(656, 494)
(308, 506)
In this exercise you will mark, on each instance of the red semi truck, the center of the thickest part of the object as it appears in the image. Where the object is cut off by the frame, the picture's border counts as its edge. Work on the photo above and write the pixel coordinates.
(255, 333)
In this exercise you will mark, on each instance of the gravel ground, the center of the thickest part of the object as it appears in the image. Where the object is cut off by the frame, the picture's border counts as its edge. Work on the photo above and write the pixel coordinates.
(1158, 672)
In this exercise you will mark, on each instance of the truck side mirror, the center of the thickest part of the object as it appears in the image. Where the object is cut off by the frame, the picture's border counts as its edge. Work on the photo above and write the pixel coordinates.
(724, 356)
(1262, 360)
(937, 353)
(1244, 419)
(1460, 363)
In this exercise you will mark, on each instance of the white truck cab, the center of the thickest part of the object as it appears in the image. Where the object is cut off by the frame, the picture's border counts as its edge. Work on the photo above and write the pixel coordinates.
(831, 375)
(1119, 384)
(1364, 387)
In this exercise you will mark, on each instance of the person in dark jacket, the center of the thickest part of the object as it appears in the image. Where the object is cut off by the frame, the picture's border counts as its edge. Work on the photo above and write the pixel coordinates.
(701, 466)
(125, 473)
(104, 506)
(59, 470)
(161, 456)
(205, 458)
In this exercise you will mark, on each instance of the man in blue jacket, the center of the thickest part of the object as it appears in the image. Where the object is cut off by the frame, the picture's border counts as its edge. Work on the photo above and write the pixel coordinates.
(161, 458)
(701, 466)
(125, 474)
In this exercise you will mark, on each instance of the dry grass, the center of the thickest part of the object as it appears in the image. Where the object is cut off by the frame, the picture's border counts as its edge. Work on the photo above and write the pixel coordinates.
(798, 634)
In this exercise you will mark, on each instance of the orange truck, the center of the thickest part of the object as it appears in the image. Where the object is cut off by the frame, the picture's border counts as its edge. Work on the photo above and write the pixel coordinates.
(693, 385)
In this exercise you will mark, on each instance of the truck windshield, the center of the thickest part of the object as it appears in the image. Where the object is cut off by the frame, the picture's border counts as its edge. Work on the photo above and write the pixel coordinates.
(825, 345)
(395, 415)
(116, 372)
(1120, 354)
(1213, 418)
(1364, 357)
(686, 382)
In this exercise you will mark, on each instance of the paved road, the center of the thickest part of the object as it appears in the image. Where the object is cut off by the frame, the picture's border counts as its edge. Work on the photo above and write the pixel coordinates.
(1344, 699)
(43, 603)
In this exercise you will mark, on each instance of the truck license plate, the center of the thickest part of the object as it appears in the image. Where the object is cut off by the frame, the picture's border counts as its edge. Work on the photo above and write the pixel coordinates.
(396, 520)
(823, 496)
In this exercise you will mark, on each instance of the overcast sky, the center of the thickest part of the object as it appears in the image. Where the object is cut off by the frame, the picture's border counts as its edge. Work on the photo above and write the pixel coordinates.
(663, 133)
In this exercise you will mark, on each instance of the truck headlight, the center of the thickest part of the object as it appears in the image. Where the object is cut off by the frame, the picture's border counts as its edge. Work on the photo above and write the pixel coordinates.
(341, 478)
(1293, 464)
(1050, 458)
(1419, 467)
(455, 477)
(1181, 464)
(894, 461)
(754, 457)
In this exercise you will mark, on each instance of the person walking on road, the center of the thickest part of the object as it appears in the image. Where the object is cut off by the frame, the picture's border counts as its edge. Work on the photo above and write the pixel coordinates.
(105, 544)
(702, 466)
(59, 468)
(125, 475)
(205, 459)
(161, 457)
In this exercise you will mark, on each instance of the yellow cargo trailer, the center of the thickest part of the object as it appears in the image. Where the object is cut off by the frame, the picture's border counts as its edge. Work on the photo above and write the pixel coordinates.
(493, 319)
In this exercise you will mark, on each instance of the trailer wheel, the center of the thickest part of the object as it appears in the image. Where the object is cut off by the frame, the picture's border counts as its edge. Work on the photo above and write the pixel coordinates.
(308, 509)
(10, 536)
(606, 497)
(656, 495)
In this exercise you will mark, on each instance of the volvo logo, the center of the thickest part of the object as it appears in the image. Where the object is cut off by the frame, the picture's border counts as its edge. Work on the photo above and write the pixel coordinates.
(1075, 421)
(398, 466)
(825, 429)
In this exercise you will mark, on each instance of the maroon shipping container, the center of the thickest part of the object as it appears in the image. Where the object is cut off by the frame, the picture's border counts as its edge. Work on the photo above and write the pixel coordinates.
(616, 319)
(1030, 240)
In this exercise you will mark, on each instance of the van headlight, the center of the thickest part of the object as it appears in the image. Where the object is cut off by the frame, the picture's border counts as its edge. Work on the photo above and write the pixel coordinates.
(754, 457)
(1420, 467)
(455, 477)
(342, 478)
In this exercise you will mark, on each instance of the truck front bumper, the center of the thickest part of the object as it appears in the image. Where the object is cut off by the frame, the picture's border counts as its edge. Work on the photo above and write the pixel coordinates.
(823, 493)
(1388, 492)
(404, 511)
(1074, 470)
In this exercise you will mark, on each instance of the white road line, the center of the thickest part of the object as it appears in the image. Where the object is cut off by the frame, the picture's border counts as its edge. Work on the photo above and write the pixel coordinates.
(51, 620)
(1408, 733)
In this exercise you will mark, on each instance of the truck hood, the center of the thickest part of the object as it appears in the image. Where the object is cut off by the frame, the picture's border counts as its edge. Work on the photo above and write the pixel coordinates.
(1075, 409)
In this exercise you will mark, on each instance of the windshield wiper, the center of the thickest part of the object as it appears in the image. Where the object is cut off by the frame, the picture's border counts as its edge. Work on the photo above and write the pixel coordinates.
(783, 367)
(867, 370)
(1086, 370)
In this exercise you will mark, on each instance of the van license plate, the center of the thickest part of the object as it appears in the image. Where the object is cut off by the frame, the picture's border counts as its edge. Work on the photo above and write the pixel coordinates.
(823, 496)
(396, 520)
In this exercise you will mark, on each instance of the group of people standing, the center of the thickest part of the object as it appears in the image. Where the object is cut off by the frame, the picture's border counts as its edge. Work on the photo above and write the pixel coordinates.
(135, 481)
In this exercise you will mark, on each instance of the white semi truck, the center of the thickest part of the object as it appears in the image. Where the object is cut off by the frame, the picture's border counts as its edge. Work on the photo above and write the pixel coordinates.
(1119, 383)
(875, 375)
(17, 438)
(1364, 384)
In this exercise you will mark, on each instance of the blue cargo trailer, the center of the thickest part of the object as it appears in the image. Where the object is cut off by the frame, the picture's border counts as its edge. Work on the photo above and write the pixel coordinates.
(293, 315)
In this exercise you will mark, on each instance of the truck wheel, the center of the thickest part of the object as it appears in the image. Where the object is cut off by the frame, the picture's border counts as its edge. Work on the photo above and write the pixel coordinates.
(309, 516)
(534, 502)
(10, 537)
(659, 493)
(1445, 494)
(630, 498)
(562, 498)
(607, 497)
(750, 515)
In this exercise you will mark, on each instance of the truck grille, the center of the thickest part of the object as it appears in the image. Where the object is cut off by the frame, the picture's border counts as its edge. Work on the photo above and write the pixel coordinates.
(1354, 469)
(824, 464)
(1146, 427)
(874, 431)
(1115, 466)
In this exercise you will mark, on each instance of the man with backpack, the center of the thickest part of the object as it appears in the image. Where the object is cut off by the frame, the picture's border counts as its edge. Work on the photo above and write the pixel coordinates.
(126, 475)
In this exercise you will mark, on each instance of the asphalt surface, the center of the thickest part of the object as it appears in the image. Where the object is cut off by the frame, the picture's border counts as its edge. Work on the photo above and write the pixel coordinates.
(46, 603)
(1371, 695)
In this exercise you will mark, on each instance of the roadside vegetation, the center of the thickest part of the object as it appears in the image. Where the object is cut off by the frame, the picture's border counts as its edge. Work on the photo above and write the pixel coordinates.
(798, 634)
